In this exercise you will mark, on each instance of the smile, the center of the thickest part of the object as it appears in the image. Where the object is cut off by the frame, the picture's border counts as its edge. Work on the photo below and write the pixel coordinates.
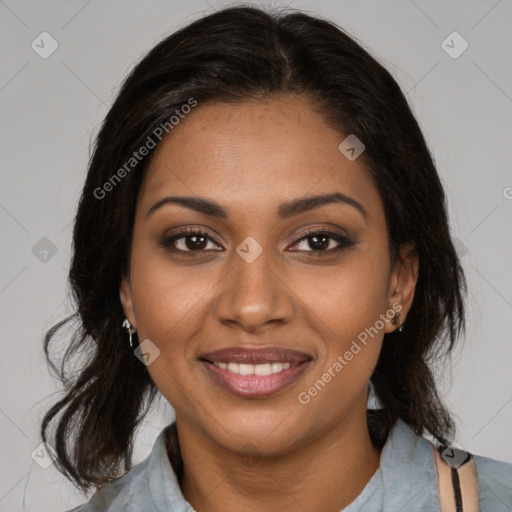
(254, 369)
(255, 373)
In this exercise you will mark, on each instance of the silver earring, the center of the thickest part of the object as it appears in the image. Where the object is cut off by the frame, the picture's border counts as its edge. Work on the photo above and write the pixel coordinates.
(397, 322)
(128, 326)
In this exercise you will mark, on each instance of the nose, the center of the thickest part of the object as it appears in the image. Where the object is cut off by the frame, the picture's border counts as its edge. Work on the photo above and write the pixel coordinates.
(254, 295)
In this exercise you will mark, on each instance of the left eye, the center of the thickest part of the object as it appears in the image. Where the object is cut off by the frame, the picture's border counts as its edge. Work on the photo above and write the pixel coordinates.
(320, 241)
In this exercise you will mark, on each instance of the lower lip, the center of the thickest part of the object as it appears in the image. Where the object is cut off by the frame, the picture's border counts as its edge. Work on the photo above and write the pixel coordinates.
(255, 386)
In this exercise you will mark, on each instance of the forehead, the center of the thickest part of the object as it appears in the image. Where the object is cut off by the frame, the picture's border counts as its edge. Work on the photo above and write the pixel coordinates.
(255, 153)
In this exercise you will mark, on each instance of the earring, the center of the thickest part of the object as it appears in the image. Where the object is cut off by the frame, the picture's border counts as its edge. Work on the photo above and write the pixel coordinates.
(397, 322)
(128, 326)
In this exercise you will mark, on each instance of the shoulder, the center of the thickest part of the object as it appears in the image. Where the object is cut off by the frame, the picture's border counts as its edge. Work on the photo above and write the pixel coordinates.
(150, 486)
(408, 462)
(494, 484)
(122, 494)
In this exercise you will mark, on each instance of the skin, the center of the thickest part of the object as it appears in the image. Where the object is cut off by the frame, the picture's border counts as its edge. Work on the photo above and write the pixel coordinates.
(273, 453)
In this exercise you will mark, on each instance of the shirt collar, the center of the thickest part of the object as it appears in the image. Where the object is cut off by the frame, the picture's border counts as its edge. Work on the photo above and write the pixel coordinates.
(408, 471)
(161, 480)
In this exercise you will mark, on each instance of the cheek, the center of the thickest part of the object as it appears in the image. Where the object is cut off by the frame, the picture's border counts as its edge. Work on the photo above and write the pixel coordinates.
(347, 298)
(347, 319)
(344, 306)
(169, 303)
(166, 295)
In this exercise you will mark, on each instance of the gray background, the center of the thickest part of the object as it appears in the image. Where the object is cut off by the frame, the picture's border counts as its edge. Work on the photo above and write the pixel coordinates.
(50, 109)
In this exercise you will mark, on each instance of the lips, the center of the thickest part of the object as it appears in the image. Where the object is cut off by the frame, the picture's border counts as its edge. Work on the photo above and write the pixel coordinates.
(255, 373)
(255, 356)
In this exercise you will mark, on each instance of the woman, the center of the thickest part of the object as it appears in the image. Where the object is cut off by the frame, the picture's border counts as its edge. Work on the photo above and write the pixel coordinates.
(263, 239)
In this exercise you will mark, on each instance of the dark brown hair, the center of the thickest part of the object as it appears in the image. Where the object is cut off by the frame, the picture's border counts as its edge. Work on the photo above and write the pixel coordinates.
(237, 54)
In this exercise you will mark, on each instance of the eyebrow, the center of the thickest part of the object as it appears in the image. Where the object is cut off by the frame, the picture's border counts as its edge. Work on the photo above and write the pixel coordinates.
(285, 210)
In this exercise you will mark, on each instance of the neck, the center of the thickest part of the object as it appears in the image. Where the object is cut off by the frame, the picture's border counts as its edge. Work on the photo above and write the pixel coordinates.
(326, 474)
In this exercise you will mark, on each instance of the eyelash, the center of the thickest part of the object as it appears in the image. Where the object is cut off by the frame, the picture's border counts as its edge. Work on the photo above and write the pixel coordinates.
(343, 241)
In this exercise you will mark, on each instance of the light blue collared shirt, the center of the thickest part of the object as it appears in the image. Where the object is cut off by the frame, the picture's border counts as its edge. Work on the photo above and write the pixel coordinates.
(405, 481)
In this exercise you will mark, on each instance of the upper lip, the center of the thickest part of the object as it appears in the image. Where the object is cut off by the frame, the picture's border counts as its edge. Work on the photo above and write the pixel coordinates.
(255, 355)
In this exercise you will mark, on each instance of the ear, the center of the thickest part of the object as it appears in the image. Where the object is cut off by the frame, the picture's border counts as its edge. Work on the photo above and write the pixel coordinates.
(125, 294)
(402, 284)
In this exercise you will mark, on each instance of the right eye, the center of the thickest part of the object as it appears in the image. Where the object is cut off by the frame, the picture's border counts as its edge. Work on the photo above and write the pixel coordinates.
(190, 239)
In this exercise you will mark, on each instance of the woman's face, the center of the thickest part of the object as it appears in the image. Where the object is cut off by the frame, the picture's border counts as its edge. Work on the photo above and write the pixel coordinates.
(267, 331)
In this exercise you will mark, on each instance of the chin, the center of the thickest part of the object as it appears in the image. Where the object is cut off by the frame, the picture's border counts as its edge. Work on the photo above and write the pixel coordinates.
(265, 431)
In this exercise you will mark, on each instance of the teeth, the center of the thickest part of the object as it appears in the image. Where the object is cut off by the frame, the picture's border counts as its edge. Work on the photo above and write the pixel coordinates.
(263, 369)
(233, 367)
(246, 369)
(253, 369)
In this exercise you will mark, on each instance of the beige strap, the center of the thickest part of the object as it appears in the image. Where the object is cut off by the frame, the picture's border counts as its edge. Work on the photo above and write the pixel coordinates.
(468, 485)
